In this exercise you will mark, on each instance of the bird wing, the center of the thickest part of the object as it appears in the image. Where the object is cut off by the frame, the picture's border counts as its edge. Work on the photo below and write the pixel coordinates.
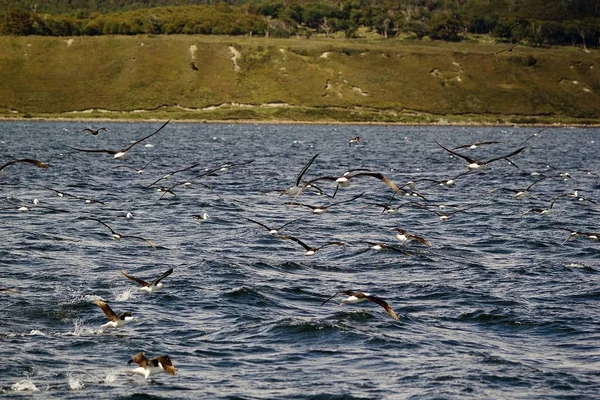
(382, 178)
(300, 242)
(10, 290)
(166, 363)
(506, 156)
(106, 309)
(536, 182)
(304, 169)
(145, 137)
(37, 163)
(468, 159)
(94, 150)
(347, 201)
(257, 223)
(346, 292)
(420, 240)
(133, 278)
(464, 146)
(289, 222)
(163, 276)
(140, 359)
(140, 238)
(383, 304)
(103, 223)
(332, 244)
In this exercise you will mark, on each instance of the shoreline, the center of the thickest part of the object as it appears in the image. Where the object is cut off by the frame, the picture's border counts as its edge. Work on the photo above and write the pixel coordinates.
(297, 122)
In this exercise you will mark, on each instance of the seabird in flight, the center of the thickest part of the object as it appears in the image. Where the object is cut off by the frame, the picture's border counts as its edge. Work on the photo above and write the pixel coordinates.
(296, 189)
(545, 211)
(37, 163)
(114, 320)
(322, 209)
(521, 193)
(94, 131)
(120, 153)
(170, 174)
(354, 140)
(152, 367)
(473, 164)
(444, 216)
(405, 236)
(344, 180)
(357, 297)
(118, 236)
(534, 135)
(273, 231)
(10, 290)
(60, 193)
(152, 286)
(594, 237)
(138, 170)
(310, 250)
(473, 146)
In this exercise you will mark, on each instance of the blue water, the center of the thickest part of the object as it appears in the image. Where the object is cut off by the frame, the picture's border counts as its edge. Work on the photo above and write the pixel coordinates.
(499, 306)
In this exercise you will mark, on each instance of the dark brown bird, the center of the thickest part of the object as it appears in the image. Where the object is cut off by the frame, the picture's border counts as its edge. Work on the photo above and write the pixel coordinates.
(94, 131)
(358, 297)
(37, 163)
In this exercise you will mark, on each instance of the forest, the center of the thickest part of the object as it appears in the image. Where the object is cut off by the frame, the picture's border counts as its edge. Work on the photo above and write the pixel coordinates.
(531, 22)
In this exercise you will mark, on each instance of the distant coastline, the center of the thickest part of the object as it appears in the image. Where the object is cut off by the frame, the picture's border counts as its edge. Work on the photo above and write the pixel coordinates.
(264, 80)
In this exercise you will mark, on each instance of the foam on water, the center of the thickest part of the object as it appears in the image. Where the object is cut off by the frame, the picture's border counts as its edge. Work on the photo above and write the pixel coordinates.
(111, 377)
(75, 383)
(26, 385)
(126, 295)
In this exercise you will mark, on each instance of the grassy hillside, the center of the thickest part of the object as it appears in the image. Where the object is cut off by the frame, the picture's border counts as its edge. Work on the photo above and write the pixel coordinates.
(195, 77)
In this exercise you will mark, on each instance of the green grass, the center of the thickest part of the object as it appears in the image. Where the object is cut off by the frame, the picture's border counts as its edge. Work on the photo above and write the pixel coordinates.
(371, 81)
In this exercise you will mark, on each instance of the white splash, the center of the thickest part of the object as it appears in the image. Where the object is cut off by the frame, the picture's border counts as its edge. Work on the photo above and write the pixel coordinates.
(36, 332)
(24, 385)
(81, 330)
(75, 383)
(126, 295)
(111, 377)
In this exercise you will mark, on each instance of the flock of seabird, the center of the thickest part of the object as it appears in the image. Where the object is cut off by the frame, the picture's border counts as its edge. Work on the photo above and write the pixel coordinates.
(406, 192)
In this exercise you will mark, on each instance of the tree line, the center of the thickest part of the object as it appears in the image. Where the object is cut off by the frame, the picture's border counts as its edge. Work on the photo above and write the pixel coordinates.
(534, 22)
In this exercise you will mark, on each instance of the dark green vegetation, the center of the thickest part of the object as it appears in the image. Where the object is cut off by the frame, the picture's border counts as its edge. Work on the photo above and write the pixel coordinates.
(243, 78)
(531, 22)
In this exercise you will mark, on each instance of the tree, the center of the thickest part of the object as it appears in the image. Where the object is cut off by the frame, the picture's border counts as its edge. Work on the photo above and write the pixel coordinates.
(446, 26)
